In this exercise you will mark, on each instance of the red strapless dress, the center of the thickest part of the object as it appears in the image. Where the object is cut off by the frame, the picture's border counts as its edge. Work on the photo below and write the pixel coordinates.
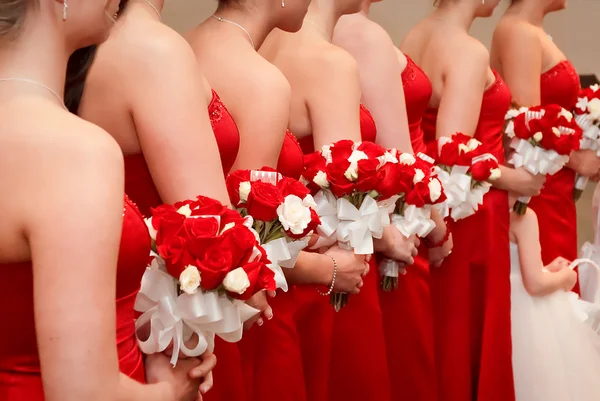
(20, 373)
(353, 337)
(555, 206)
(471, 291)
(407, 316)
(228, 377)
(271, 356)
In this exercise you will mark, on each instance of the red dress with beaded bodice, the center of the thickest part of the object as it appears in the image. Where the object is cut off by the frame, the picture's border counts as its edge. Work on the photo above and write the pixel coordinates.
(470, 292)
(20, 373)
(407, 316)
(555, 207)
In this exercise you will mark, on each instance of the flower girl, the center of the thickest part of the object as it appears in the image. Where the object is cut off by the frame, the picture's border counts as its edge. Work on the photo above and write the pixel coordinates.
(556, 357)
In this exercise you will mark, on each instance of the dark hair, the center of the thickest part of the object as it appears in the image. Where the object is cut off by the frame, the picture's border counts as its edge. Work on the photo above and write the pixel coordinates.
(77, 70)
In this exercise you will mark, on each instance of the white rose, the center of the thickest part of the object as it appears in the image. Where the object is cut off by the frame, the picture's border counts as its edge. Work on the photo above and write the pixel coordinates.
(473, 144)
(511, 113)
(566, 114)
(185, 210)
(595, 87)
(419, 175)
(244, 190)
(236, 281)
(435, 190)
(309, 201)
(582, 103)
(387, 158)
(593, 108)
(227, 227)
(464, 148)
(495, 173)
(326, 152)
(189, 280)
(555, 131)
(407, 159)
(321, 179)
(151, 229)
(293, 215)
(538, 136)
(510, 129)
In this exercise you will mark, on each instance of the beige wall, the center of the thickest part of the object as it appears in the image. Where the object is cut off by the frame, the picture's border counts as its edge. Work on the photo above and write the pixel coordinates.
(575, 30)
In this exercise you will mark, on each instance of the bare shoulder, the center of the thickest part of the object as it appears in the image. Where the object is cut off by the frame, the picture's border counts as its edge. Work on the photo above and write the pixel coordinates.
(514, 29)
(325, 61)
(365, 34)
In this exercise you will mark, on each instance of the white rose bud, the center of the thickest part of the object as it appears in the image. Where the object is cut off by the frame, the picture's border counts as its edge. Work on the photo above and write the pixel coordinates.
(555, 131)
(538, 136)
(593, 107)
(407, 159)
(151, 229)
(189, 280)
(321, 179)
(566, 114)
(435, 190)
(595, 87)
(495, 173)
(236, 281)
(473, 144)
(293, 215)
(185, 210)
(352, 171)
(244, 190)
(309, 201)
(464, 148)
(419, 175)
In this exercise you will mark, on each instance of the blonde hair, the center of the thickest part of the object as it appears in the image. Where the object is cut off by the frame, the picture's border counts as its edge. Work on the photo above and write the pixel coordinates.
(12, 17)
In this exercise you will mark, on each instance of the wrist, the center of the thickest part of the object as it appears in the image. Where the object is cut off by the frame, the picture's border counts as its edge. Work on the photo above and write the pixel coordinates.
(334, 270)
(165, 390)
(438, 237)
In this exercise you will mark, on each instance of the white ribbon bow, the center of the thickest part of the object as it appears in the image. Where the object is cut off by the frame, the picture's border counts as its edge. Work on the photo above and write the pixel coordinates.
(414, 221)
(173, 319)
(283, 254)
(463, 201)
(358, 227)
(327, 211)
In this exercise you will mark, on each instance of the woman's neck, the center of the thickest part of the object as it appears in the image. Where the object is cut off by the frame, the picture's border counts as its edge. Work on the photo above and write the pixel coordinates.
(325, 15)
(150, 8)
(460, 14)
(40, 54)
(366, 7)
(258, 23)
(530, 11)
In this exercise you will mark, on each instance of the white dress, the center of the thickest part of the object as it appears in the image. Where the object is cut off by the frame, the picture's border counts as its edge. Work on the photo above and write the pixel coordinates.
(555, 356)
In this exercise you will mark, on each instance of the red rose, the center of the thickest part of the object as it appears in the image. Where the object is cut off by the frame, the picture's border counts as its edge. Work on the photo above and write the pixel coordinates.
(263, 201)
(313, 163)
(231, 216)
(565, 144)
(201, 232)
(260, 277)
(371, 149)
(394, 179)
(367, 174)
(482, 170)
(175, 253)
(339, 184)
(419, 196)
(208, 206)
(216, 262)
(233, 182)
(240, 241)
(166, 221)
(448, 154)
(290, 186)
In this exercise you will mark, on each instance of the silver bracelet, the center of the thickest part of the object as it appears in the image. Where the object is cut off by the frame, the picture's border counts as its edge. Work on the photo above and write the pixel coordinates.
(335, 267)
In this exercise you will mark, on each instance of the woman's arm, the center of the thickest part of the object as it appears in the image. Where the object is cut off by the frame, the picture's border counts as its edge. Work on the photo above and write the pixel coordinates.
(536, 281)
(170, 111)
(74, 241)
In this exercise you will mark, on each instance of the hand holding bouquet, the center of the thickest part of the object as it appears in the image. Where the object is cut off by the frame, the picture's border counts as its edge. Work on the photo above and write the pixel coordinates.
(418, 191)
(207, 261)
(587, 115)
(282, 212)
(543, 137)
(350, 178)
(465, 172)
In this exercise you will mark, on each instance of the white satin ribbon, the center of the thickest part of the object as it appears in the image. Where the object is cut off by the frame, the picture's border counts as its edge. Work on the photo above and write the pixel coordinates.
(175, 318)
(390, 268)
(283, 254)
(327, 211)
(414, 221)
(463, 201)
(535, 159)
(268, 177)
(359, 226)
(589, 141)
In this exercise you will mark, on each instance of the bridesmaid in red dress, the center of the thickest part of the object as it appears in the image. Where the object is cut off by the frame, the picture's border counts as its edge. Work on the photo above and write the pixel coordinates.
(471, 290)
(407, 317)
(347, 347)
(58, 341)
(258, 97)
(537, 72)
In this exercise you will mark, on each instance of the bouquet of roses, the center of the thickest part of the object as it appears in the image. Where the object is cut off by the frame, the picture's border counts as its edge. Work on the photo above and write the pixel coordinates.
(543, 138)
(587, 115)
(465, 171)
(282, 211)
(350, 178)
(206, 263)
(420, 190)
